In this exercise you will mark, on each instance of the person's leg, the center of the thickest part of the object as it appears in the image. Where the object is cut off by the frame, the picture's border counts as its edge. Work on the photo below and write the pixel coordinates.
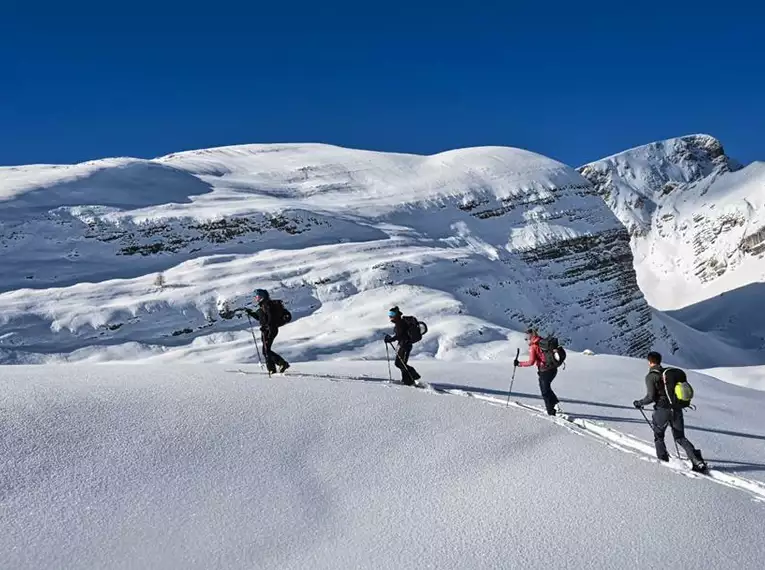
(412, 372)
(276, 358)
(661, 419)
(553, 395)
(267, 353)
(545, 378)
(678, 432)
(402, 357)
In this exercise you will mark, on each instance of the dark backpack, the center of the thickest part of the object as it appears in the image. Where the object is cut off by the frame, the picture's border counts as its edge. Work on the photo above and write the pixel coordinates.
(554, 353)
(414, 328)
(676, 387)
(279, 314)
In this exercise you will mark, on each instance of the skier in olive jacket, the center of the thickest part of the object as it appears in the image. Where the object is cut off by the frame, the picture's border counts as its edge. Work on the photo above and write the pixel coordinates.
(664, 415)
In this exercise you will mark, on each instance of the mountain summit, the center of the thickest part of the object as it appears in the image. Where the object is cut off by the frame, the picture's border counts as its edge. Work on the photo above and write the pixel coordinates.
(697, 224)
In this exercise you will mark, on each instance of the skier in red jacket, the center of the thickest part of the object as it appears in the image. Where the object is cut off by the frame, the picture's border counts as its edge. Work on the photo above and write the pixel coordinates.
(546, 373)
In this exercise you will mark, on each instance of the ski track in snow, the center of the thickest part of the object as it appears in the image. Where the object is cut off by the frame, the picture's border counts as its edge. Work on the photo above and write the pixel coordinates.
(197, 466)
(610, 437)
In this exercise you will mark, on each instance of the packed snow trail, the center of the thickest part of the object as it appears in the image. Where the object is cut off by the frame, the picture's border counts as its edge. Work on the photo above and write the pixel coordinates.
(579, 425)
(727, 425)
(119, 466)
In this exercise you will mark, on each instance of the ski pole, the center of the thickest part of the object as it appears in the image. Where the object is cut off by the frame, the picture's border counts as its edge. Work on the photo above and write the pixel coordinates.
(512, 379)
(387, 357)
(254, 340)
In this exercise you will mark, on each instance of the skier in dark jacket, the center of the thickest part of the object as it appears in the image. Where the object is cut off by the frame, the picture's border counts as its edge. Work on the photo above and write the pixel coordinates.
(546, 373)
(268, 330)
(401, 335)
(664, 415)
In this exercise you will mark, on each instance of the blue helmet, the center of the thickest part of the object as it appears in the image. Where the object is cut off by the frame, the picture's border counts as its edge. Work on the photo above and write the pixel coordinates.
(261, 295)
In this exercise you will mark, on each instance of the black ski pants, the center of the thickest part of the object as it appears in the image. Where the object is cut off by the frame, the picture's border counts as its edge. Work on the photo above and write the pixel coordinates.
(272, 359)
(545, 387)
(408, 374)
(664, 418)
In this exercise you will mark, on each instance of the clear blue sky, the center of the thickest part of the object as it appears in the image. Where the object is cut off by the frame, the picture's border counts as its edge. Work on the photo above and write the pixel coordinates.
(574, 80)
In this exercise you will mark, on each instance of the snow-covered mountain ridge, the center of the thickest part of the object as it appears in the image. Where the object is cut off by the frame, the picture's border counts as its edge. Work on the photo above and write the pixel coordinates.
(697, 224)
(483, 241)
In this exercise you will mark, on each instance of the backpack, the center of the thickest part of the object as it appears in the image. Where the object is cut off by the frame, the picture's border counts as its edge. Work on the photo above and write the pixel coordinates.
(679, 392)
(554, 353)
(414, 328)
(280, 315)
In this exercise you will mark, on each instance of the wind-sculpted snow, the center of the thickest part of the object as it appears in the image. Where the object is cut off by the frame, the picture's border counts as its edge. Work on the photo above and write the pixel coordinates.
(189, 467)
(482, 242)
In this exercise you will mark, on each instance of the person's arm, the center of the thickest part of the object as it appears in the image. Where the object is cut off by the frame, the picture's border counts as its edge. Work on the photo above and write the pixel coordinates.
(650, 392)
(533, 357)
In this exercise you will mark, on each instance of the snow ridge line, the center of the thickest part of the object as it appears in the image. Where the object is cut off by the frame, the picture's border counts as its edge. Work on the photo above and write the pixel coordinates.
(585, 428)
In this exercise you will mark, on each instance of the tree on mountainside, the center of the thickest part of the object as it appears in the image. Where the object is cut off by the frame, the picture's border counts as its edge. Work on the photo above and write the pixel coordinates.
(159, 281)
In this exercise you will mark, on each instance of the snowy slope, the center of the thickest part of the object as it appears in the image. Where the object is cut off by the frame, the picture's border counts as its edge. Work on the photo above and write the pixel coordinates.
(479, 242)
(697, 226)
(194, 467)
(746, 376)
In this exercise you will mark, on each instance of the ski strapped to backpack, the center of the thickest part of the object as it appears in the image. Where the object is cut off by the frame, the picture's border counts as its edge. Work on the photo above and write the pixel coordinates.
(679, 392)
(279, 313)
(415, 329)
(554, 353)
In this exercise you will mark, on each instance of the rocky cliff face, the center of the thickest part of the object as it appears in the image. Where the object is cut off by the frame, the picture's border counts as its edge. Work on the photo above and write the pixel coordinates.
(480, 242)
(696, 220)
(695, 217)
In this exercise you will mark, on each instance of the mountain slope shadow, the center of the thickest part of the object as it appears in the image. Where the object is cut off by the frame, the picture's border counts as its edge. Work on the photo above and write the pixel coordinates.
(732, 316)
(119, 183)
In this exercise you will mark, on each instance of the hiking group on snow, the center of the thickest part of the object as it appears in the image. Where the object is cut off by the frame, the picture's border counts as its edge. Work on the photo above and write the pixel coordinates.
(666, 388)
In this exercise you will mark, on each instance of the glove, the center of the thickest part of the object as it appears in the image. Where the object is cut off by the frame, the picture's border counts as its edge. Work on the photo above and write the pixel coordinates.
(638, 404)
(388, 339)
(228, 314)
(516, 363)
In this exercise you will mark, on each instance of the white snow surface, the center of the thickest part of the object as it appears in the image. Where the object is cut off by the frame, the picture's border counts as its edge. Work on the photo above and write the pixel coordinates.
(478, 242)
(746, 376)
(145, 466)
(371, 184)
